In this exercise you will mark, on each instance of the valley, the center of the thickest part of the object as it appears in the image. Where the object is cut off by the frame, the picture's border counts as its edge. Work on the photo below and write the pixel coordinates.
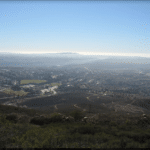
(120, 90)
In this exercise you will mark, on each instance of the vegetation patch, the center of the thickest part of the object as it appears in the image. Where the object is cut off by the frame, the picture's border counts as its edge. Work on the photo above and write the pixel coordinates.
(77, 115)
(55, 117)
(40, 120)
(12, 118)
(84, 129)
(55, 84)
(16, 93)
(52, 131)
(32, 81)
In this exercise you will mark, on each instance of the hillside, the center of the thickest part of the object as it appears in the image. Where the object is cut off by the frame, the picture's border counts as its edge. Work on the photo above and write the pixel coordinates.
(28, 128)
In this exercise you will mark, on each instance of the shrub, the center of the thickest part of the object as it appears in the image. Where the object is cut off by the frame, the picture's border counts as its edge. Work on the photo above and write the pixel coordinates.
(112, 123)
(148, 144)
(73, 130)
(143, 122)
(125, 127)
(2, 144)
(141, 137)
(123, 142)
(113, 143)
(24, 119)
(40, 121)
(12, 118)
(77, 115)
(138, 137)
(3, 119)
(56, 118)
(86, 130)
(128, 122)
(133, 145)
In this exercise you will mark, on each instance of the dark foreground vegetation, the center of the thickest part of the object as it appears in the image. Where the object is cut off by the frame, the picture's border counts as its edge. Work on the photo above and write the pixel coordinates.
(26, 128)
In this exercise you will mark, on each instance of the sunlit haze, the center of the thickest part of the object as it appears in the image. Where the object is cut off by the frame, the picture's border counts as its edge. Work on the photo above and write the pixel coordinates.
(86, 53)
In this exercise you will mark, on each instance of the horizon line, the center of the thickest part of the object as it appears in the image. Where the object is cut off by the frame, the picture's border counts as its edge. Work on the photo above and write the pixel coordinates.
(85, 53)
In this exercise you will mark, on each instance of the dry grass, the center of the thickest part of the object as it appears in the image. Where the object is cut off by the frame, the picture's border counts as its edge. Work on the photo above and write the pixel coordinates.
(31, 81)
(16, 93)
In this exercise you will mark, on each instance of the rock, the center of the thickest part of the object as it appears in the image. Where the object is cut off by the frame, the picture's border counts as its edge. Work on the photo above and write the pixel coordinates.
(85, 117)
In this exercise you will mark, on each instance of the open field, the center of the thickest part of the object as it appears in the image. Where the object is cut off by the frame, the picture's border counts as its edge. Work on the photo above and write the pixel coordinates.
(32, 81)
(55, 84)
(16, 93)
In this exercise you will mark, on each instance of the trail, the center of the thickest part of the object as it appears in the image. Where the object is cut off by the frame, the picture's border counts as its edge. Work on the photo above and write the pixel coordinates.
(89, 99)
(75, 105)
(55, 107)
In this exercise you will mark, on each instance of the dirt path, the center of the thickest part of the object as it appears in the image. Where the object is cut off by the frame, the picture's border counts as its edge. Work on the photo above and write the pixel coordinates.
(89, 99)
(55, 107)
(75, 105)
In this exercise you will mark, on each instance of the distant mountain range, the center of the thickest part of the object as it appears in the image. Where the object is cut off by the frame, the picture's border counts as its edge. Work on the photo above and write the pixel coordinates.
(66, 58)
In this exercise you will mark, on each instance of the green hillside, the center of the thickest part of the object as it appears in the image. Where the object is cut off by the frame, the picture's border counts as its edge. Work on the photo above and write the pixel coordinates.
(25, 128)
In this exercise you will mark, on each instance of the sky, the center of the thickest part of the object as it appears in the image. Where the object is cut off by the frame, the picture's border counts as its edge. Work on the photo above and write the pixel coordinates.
(85, 27)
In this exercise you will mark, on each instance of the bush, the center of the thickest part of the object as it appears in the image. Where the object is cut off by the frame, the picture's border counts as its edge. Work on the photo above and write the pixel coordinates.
(143, 122)
(141, 137)
(112, 123)
(86, 130)
(56, 118)
(83, 129)
(40, 121)
(3, 119)
(138, 137)
(123, 142)
(125, 127)
(133, 145)
(2, 144)
(12, 118)
(148, 144)
(77, 115)
(113, 143)
(128, 122)
(24, 119)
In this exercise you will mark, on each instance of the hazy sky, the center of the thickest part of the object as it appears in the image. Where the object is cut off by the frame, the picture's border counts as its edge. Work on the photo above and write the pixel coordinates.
(48, 26)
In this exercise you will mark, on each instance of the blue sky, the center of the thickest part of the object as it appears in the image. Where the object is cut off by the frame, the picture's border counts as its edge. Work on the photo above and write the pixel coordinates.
(87, 27)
